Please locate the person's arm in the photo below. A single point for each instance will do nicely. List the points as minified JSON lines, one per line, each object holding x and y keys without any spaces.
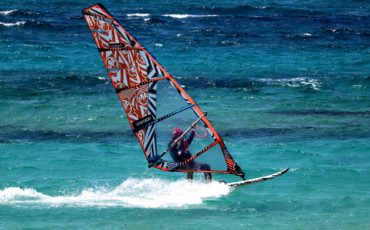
{"x":191,"y":137}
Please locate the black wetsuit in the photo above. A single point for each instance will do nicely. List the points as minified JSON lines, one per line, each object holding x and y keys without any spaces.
{"x":180,"y":153}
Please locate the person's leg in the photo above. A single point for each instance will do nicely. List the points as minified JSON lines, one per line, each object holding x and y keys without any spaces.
{"x":190,"y":176}
{"x":199,"y":166}
{"x":208,"y":177}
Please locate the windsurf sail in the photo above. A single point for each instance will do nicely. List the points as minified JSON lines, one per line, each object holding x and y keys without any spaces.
{"x":153,"y":100}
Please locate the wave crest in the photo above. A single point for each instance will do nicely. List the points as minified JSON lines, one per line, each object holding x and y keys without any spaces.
{"x":182,"y":16}
{"x":7,"y":12}
{"x":298,"y":82}
{"x":12,"y":24}
{"x":138,"y":15}
{"x":15,"y":12}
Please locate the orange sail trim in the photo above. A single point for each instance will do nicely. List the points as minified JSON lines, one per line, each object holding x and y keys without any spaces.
{"x":135,"y":75}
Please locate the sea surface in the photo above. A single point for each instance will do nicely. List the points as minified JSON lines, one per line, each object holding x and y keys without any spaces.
{"x":285,"y":83}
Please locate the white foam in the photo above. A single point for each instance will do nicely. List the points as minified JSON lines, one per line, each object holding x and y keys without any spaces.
{"x":298,"y":82}
{"x":7,"y":12}
{"x":142,"y":193}
{"x":19,"y":194}
{"x":181,"y":16}
{"x":11,"y":24}
{"x":138,"y":15}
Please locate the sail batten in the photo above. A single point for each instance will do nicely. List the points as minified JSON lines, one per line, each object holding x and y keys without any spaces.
{"x":138,"y":80}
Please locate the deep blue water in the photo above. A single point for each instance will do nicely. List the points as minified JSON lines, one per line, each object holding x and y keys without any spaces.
{"x":286,"y":83}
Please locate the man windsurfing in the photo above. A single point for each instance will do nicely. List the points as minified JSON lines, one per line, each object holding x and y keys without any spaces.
{"x":180,"y":152}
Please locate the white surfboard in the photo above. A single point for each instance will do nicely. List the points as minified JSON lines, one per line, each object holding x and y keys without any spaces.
{"x":257,"y":179}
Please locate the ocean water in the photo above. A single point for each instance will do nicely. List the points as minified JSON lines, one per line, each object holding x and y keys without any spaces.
{"x":286,"y":83}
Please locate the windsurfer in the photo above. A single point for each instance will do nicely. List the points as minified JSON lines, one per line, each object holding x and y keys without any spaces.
{"x":180,"y":152}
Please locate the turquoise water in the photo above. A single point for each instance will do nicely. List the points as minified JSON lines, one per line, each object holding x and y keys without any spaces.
{"x":285,"y":83}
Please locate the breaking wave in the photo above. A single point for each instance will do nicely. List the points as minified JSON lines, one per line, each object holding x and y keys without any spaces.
{"x":138,"y":15}
{"x":140,"y":193}
{"x":181,"y":16}
{"x":7,"y":12}
{"x":298,"y":82}
{"x":255,"y":83}
{"x":15,"y":12}
{"x":12,"y":24}
{"x":177,"y":16}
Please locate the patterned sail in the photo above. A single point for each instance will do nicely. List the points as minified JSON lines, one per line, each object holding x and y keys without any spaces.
{"x":153,"y":101}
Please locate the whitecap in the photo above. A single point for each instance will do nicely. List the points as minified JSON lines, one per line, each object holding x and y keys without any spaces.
{"x":7,"y":12}
{"x":18,"y":194}
{"x":298,"y":82}
{"x":182,"y":16}
{"x":138,"y":15}
{"x":12,"y":24}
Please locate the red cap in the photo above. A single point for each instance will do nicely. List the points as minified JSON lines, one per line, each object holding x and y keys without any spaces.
{"x":177,"y":132}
